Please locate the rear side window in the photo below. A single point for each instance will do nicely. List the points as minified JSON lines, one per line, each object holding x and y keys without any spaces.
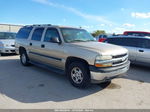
{"x":37,"y":34}
{"x":24,"y":32}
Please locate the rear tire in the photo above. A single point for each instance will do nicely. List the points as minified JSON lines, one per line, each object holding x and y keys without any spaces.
{"x":24,"y":58}
{"x":79,"y":75}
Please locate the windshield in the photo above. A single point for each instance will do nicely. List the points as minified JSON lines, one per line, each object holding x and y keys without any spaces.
{"x":5,"y":35}
{"x":76,"y":35}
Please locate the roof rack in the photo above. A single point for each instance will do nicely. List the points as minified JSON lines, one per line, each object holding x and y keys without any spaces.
{"x":42,"y":25}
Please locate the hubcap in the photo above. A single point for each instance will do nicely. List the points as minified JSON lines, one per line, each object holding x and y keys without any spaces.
{"x":77,"y":75}
{"x":23,"y":58}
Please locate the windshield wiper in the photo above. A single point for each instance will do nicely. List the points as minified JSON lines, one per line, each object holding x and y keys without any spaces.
{"x":89,"y":40}
{"x":77,"y":41}
{"x":81,"y":40}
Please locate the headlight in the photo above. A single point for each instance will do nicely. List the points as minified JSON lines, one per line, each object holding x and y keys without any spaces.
{"x":103,"y":61}
{"x":102,"y":58}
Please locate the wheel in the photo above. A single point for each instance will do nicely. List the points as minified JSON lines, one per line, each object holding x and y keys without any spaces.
{"x":79,"y":75}
{"x":24,"y":58}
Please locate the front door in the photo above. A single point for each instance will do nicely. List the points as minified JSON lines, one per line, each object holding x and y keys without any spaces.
{"x":53,"y":53}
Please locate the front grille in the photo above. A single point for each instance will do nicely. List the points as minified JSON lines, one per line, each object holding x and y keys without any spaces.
{"x":120,"y":56}
{"x":120,"y":59}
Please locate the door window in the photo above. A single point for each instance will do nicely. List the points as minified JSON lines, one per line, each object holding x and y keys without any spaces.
{"x":37,"y":35}
{"x":50,"y":33}
{"x":144,"y":43}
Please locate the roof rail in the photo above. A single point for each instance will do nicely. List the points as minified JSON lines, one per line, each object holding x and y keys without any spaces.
{"x":42,"y":25}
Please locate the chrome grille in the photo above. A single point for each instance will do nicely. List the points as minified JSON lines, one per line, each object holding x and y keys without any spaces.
{"x":120,"y":56}
{"x":120,"y":59}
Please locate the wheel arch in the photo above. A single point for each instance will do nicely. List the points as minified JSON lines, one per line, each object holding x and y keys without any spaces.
{"x":21,"y":49}
{"x":71,"y":59}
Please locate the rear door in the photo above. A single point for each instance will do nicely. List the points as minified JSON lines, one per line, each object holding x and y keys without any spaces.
{"x":35,"y":44}
{"x":143,"y":49}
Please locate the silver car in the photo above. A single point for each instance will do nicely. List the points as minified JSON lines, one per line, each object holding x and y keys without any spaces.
{"x":7,"y":42}
{"x":138,"y":47}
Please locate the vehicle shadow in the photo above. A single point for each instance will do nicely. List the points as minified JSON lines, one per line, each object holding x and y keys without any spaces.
{"x":139,"y":73}
{"x":6,"y":55}
{"x":33,"y":84}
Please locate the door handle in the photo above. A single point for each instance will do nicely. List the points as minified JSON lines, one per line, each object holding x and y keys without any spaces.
{"x":30,"y":44}
{"x":141,"y":50}
{"x":42,"y":46}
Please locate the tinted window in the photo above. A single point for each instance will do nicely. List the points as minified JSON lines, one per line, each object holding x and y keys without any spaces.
{"x":51,"y":32}
{"x":116,"y":41}
{"x":144,"y":43}
{"x":123,"y":41}
{"x":24,"y":32}
{"x":37,"y":34}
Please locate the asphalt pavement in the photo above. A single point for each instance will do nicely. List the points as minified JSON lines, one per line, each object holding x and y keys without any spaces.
{"x":37,"y":88}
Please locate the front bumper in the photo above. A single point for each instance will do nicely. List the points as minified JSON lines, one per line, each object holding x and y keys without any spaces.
{"x":99,"y":75}
{"x":7,"y":50}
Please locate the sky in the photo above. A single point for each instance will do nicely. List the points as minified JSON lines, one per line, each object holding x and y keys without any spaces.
{"x":113,"y":16}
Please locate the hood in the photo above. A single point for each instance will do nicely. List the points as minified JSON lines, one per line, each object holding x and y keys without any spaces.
{"x":7,"y":41}
{"x":101,"y":48}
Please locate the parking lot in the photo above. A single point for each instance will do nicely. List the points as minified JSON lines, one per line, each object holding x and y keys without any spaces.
{"x":34,"y":87}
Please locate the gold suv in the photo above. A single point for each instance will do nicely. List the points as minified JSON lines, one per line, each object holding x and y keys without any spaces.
{"x":71,"y":51}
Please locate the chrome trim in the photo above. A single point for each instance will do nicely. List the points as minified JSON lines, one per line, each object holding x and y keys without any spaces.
{"x":113,"y":60}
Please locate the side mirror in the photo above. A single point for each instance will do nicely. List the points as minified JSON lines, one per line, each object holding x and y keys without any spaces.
{"x":55,"y":40}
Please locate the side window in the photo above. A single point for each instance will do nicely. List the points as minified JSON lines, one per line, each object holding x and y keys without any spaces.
{"x":24,"y":32}
{"x":147,"y":44}
{"x":131,"y":42}
{"x":116,"y":41}
{"x":37,"y":34}
{"x":51,"y":32}
{"x":144,"y":43}
{"x":123,"y":41}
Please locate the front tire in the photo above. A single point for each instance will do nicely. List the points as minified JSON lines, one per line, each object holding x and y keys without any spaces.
{"x":24,"y":58}
{"x":79,"y":75}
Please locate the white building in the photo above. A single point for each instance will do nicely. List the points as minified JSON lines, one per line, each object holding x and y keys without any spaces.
{"x":9,"y":28}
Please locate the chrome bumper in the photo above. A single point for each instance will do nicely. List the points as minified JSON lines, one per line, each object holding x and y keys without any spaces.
{"x":102,"y":75}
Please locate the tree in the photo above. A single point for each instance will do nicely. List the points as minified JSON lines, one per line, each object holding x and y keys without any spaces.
{"x":98,"y":32}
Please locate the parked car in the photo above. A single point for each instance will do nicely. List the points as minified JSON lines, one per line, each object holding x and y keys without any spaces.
{"x":138,"y":47}
{"x":101,"y":38}
{"x":7,"y":42}
{"x":73,"y":52}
